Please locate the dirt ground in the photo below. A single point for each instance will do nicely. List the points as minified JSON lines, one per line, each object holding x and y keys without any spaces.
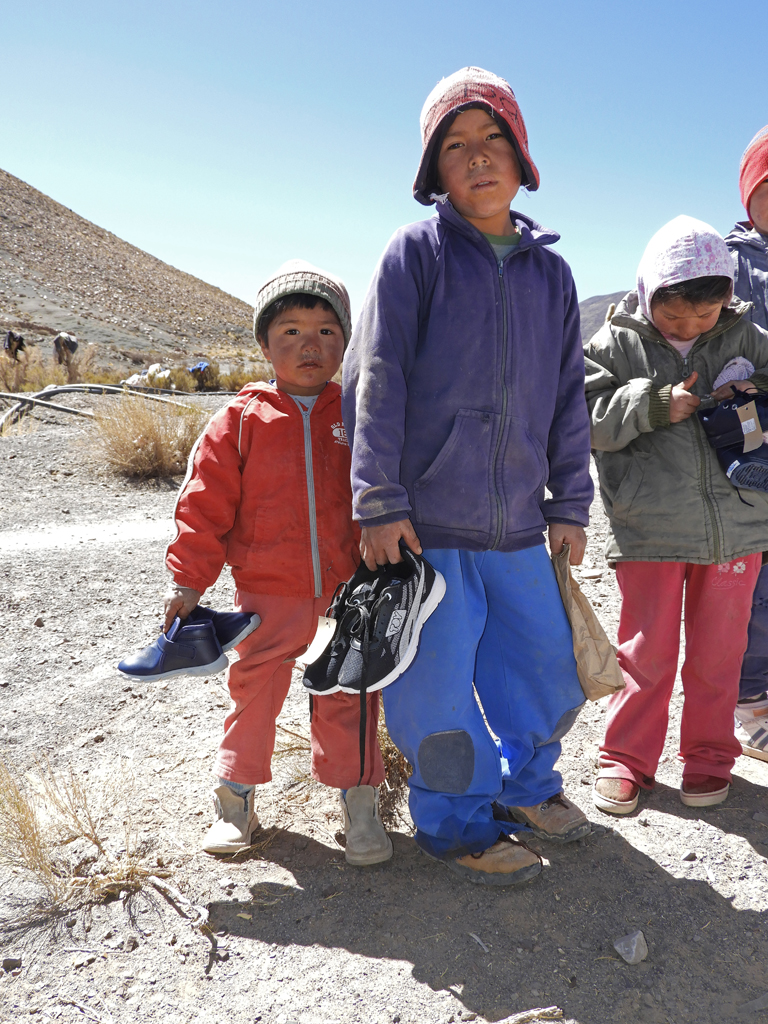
{"x":299,"y":936}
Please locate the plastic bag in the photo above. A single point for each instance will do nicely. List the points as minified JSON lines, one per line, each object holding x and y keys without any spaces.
{"x":596,"y":664}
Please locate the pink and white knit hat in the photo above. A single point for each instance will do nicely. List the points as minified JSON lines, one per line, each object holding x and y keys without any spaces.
{"x":753,"y":169}
{"x":682,"y":250}
{"x":300,"y":277}
{"x":468,"y":88}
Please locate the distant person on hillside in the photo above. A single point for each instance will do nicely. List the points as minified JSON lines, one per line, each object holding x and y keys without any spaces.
{"x":748,"y":242}
{"x":683,"y":540}
{"x":267,"y":491}
{"x":463,"y":394}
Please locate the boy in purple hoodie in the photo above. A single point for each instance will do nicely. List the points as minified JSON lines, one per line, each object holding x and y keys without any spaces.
{"x":463,"y":398}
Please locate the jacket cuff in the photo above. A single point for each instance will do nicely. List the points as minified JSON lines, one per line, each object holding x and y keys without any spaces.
{"x":658,"y":408}
{"x":565,"y":522}
{"x":181,"y":580}
{"x":385,"y":520}
{"x":760,"y":380}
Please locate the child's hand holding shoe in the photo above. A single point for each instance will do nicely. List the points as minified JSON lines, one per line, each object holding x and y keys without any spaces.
{"x":179,"y":601}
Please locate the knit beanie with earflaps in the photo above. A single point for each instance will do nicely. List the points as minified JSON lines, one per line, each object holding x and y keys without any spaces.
{"x":470,"y":87}
{"x":753,"y":169}
{"x":297,"y":277}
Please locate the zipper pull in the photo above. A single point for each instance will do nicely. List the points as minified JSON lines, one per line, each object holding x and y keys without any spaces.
{"x":686,"y":367}
{"x":501,"y":268}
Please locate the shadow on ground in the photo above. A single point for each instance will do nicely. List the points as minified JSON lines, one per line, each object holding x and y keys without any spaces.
{"x":548,"y":941}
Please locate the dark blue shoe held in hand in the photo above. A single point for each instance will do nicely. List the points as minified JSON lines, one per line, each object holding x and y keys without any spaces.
{"x":188,"y":648}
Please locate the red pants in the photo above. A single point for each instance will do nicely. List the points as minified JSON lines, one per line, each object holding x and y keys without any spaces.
{"x":718,"y":600}
{"x":258,"y":684}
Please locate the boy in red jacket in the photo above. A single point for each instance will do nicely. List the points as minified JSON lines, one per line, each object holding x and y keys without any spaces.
{"x":268,"y":492}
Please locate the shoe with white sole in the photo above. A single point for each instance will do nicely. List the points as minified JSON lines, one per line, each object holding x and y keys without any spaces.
{"x":700,"y":790}
{"x":236,"y":821}
{"x":752,"y":726}
{"x":367,"y":840}
{"x":615,"y":796}
{"x":187,"y":649}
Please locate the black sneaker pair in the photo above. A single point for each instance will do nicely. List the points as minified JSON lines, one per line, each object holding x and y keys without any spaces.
{"x":379,"y":616}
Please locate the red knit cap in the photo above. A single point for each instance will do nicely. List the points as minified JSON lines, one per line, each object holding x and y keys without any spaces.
{"x":753,"y":169}
{"x":467,"y":88}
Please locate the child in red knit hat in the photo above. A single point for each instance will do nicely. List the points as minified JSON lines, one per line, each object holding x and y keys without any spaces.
{"x":748,"y":242}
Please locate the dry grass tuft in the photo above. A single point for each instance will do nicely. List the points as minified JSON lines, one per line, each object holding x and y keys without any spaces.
{"x":35,"y":371}
{"x":144,"y":439}
{"x":239,"y":377}
{"x":53,"y":830}
{"x":393,"y":793}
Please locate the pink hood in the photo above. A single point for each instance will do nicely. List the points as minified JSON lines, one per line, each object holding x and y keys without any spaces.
{"x":683,"y":249}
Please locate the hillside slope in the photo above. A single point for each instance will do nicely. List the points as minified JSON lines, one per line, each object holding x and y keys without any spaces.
{"x":59,"y":271}
{"x":593,"y":312}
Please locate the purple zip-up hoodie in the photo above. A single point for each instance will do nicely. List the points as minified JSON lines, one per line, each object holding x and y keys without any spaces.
{"x":464,"y":389}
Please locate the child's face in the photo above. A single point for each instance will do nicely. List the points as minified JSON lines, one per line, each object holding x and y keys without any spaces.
{"x":305,"y":347}
{"x":758,"y":208}
{"x":480,"y":171}
{"x":684,"y":321}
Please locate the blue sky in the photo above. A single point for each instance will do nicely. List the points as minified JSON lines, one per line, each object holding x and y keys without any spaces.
{"x":227,"y":137}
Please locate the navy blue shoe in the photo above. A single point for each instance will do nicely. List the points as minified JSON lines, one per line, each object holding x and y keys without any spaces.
{"x":185,"y":650}
{"x":231,"y":627}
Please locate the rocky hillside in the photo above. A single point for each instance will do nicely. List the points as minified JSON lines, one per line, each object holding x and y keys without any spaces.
{"x":59,"y":271}
{"x":593,"y":312}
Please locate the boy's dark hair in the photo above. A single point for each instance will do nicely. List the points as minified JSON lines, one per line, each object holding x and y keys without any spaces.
{"x":698,"y":289}
{"x":297,"y":300}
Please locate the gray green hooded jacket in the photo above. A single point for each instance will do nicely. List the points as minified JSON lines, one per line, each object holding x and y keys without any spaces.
{"x":664,"y":492}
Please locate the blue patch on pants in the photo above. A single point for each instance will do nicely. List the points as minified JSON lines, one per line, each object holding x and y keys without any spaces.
{"x":447,"y":761}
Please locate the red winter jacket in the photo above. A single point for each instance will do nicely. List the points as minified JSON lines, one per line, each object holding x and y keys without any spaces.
{"x":267,"y":491}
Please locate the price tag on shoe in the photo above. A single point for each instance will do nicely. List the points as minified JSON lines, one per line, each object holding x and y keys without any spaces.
{"x":750,"y":425}
{"x":325,"y":630}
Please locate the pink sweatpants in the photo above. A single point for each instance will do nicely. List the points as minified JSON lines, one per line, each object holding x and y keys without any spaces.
{"x":258,"y":684}
{"x":718,"y":600}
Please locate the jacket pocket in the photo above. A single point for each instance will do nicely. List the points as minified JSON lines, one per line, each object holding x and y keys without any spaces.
{"x":455,"y":492}
{"x":525,"y":473}
{"x":629,"y":488}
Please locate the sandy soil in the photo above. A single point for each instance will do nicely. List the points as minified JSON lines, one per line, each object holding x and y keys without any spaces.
{"x":301,"y":937}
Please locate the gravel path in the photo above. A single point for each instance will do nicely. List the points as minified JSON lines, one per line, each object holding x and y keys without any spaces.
{"x":299,"y":936}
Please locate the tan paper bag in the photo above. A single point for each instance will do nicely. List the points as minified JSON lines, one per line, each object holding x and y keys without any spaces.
{"x":596,"y":664}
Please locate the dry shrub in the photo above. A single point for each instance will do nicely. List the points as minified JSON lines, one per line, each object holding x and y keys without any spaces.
{"x":53,"y":829}
{"x":394,"y":791}
{"x":144,"y":439}
{"x":181,"y":379}
{"x":35,"y":371}
{"x":237,"y":379}
{"x":209,"y":379}
{"x":32,"y":372}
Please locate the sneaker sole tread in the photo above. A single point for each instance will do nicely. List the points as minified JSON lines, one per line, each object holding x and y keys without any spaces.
{"x":197,"y":670}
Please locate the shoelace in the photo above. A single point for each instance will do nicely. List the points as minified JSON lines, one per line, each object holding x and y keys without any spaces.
{"x":504,"y":838}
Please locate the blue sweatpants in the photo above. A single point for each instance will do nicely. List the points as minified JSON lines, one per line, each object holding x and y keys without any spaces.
{"x":754,"y":668}
{"x":502,"y":626}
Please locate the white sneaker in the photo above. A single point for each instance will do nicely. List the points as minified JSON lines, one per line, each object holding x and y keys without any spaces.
{"x":236,"y":821}
{"x":367,"y":840}
{"x":752,"y":728}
